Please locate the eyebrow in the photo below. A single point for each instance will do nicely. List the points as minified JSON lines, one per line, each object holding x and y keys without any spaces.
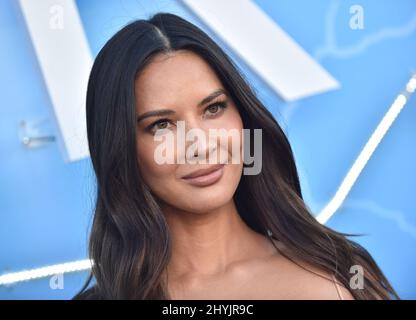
{"x":165,"y":112}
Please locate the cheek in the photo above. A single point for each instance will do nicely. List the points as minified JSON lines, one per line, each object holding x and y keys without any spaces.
{"x":236,"y":120}
{"x":160,"y":178}
{"x":153,"y":173}
{"x":232,"y":122}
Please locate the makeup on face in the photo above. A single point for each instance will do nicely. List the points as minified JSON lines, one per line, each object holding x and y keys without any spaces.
{"x":205,"y":177}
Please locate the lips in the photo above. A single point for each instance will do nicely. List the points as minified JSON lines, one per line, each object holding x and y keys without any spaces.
{"x":203,"y":172}
{"x":205,"y":177}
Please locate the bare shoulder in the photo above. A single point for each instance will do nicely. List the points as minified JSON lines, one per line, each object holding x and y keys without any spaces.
{"x":298,"y":280}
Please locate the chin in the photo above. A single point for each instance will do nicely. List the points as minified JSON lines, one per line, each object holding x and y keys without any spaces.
{"x":207,"y":199}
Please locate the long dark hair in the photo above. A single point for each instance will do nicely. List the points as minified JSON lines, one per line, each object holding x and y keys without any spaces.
{"x":130,"y":245}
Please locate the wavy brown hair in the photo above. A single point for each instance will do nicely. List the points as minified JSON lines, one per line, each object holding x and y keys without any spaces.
{"x":129,"y":242}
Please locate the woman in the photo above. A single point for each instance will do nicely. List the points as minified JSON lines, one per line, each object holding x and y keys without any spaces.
{"x":159,"y":232}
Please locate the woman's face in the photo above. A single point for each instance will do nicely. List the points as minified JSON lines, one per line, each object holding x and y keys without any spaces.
{"x":177,"y":83}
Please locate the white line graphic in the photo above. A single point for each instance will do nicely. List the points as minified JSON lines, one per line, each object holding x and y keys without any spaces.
{"x":281,"y":62}
{"x":44,"y":272}
{"x":367,"y":152}
{"x":65,"y":60}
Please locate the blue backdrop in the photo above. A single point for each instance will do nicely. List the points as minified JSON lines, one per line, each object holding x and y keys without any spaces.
{"x":46,"y":204}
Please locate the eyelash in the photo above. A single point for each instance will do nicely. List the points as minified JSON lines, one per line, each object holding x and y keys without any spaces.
{"x":221,"y":104}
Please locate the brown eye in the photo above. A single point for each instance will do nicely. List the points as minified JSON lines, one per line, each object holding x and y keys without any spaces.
{"x":161,"y":125}
{"x":214,"y":109}
{"x":158,"y":125}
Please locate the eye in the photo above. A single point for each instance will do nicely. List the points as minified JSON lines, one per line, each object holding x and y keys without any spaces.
{"x":215,"y":108}
{"x":160,"y":124}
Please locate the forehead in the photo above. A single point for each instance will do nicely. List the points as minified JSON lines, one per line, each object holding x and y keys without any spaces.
{"x":171,"y":80}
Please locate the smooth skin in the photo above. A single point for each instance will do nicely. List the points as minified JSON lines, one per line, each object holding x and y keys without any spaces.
{"x":215,"y":254}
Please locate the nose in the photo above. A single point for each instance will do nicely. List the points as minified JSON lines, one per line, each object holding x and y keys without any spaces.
{"x":199,"y":147}
{"x":203,"y":151}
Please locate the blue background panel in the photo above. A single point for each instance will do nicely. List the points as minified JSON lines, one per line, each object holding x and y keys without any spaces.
{"x":46,"y":204}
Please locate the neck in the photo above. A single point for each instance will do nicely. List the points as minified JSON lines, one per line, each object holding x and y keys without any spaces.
{"x":208,"y":243}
